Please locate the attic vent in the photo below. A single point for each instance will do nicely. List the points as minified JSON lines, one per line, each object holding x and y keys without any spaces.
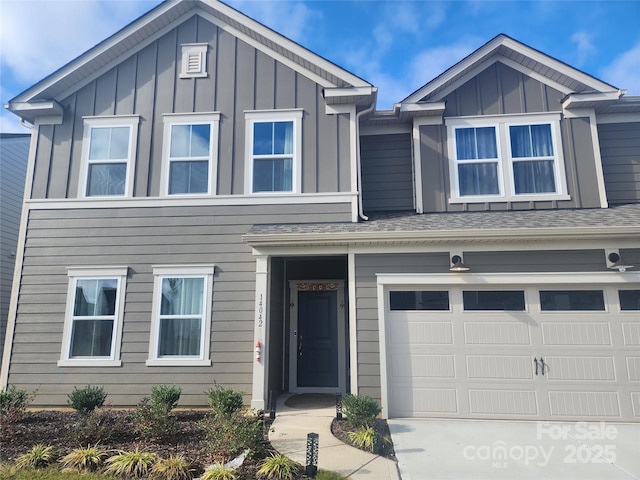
{"x":194,"y":60}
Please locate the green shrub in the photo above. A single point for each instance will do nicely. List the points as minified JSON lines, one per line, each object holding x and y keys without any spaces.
{"x":360,"y":410}
{"x":175,"y":467}
{"x":87,"y":459}
{"x":49,"y":473}
{"x":131,"y":464}
{"x":224,"y":401}
{"x":98,"y":426}
{"x":154,"y":420}
{"x":279,"y":467}
{"x":363,"y":438}
{"x":231,"y":435}
{"x":166,"y":395}
{"x":87,"y":399}
{"x":219,"y":472}
{"x":40,"y":456}
{"x":13,"y":405}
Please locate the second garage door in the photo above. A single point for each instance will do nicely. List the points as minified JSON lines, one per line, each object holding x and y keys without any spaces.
{"x":523,"y":352}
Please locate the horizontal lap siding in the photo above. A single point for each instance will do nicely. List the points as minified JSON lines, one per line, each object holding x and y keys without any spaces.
{"x":387,"y":173}
{"x":140,"y":238}
{"x":367,"y":266}
{"x":620,"y":151}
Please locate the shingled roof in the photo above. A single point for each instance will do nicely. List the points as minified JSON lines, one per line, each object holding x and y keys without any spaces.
{"x":616,"y":222}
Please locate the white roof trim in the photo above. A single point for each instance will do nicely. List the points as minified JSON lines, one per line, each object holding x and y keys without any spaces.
{"x":489,"y":49}
{"x":574,"y":100}
{"x":198,"y":6}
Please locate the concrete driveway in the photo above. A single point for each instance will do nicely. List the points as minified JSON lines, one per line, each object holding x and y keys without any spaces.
{"x":501,"y":450}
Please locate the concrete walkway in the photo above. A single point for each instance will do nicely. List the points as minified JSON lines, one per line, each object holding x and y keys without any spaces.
{"x":289,"y":432}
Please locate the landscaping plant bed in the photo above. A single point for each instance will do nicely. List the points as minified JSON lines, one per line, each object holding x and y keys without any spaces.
{"x":341,"y":430}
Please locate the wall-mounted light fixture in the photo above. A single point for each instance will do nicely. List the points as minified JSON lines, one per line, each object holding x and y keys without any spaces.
{"x":614,"y":260}
{"x":457,"y":263}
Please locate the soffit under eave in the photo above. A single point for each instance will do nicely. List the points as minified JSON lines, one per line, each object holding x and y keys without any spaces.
{"x":146,"y":29}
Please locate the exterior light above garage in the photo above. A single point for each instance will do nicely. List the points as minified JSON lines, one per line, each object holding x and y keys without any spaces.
{"x":457,"y":264}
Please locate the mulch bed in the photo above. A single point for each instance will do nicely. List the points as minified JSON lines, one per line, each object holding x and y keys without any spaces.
{"x":60,"y":429}
{"x":341,"y":430}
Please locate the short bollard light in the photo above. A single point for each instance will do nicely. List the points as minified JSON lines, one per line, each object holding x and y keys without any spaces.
{"x":312,"y":455}
{"x":272,"y":404}
{"x":339,"y":406}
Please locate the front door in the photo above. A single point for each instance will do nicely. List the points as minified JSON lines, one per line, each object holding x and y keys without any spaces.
{"x":317,"y":341}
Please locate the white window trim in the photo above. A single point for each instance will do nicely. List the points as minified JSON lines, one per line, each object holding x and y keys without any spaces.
{"x":292,"y":115}
{"x":183,"y":271}
{"x":505,"y":161}
{"x":188,"y":50}
{"x":74,"y":274}
{"x":210,"y":118}
{"x":131,"y":121}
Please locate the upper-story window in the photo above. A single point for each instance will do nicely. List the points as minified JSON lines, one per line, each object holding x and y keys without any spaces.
{"x":506,"y":158}
{"x":274,"y":151}
{"x":190,"y":153}
{"x":108,"y":151}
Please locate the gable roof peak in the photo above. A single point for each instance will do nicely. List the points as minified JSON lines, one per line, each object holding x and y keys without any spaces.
{"x":508,"y":50}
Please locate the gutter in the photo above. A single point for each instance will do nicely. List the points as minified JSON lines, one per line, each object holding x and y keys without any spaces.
{"x":607,"y":233}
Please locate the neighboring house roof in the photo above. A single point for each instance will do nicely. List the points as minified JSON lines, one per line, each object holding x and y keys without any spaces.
{"x":513,"y":225}
{"x":41,"y":98}
{"x":518,"y":55}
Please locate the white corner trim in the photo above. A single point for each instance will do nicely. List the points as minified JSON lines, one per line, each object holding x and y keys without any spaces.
{"x":17,"y":269}
{"x":595,"y":139}
{"x":382,"y":332}
{"x":353,"y":323}
{"x":260,"y":327}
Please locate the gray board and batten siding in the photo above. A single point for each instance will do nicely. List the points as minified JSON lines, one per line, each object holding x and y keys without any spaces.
{"x":387,"y":172}
{"x":148,"y":84}
{"x":14,"y":152}
{"x":501,"y":90}
{"x":140,"y":238}
{"x":368,"y":266}
{"x":620,"y":151}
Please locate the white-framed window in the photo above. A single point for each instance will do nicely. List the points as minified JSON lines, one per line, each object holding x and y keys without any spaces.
{"x":108,"y":152}
{"x":190,"y":153}
{"x":194,"y":60}
{"x":506,"y":158}
{"x":181,"y":315}
{"x":94,"y":315}
{"x":273,"y":151}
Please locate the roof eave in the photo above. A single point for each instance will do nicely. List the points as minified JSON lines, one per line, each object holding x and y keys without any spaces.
{"x":31,"y":111}
{"x":440,"y":236}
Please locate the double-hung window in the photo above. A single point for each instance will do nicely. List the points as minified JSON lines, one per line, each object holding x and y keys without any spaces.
{"x":181,"y":315}
{"x":93,"y":321}
{"x":190,"y":153}
{"x":108,"y":152}
{"x":274,"y":151}
{"x":506,"y":158}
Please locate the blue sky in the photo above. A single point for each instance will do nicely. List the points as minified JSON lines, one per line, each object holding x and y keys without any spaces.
{"x":396,"y":45}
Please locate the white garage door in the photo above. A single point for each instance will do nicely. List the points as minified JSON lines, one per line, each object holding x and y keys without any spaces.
{"x":513,"y":352}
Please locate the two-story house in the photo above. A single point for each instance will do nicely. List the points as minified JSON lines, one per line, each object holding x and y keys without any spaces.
{"x":210,"y":201}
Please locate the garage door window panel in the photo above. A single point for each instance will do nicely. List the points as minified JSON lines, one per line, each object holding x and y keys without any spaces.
{"x":419,"y":300}
{"x":496,"y":300}
{"x":629,"y":300}
{"x":572,"y":300}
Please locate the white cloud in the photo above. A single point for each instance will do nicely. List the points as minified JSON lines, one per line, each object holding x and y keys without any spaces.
{"x":9,"y":123}
{"x":291,"y":19}
{"x":37,"y":37}
{"x":584,"y":46}
{"x":624,"y":71}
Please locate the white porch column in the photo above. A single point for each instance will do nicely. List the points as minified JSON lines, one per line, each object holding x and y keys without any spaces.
{"x":260,"y":328}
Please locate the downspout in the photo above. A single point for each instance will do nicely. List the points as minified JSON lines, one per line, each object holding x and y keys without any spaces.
{"x":358,"y":162}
